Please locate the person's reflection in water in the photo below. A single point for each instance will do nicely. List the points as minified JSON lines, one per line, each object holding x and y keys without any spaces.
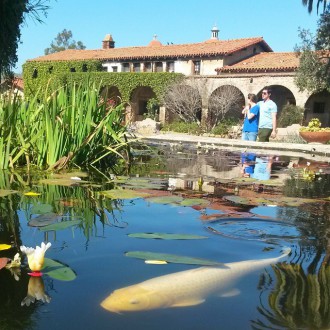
{"x":248,"y":164}
{"x":262,"y":168}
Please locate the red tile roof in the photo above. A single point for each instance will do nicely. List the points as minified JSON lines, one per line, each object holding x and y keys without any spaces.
{"x":207,"y":48}
{"x":18,"y":83}
{"x":264,"y":62}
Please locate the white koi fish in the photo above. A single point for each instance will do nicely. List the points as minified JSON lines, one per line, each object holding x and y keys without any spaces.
{"x":186,"y":288}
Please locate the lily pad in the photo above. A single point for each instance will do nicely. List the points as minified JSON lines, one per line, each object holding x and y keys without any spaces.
{"x":61,"y":225}
{"x":166,"y":236}
{"x":145,"y":183}
{"x":194,"y":202}
{"x":173,"y":199}
{"x":4,"y":247}
{"x":41,"y":209}
{"x":44,"y":220}
{"x":276,"y":201}
{"x":173,"y":258}
{"x":61,"y":182}
{"x":58,"y":271}
{"x":69,"y":175}
{"x":124,"y":194}
{"x":3,"y":262}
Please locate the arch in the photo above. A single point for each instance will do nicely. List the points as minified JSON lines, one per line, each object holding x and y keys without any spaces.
{"x":318,"y":106}
{"x":112,"y":94}
{"x":183,"y":101}
{"x":225,"y":102}
{"x":139,"y":100}
{"x":281,"y":95}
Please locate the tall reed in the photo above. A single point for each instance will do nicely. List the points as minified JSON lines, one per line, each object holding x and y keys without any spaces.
{"x":54,"y":127}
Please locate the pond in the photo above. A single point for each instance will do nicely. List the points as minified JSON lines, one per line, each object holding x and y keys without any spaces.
{"x":190,"y":239}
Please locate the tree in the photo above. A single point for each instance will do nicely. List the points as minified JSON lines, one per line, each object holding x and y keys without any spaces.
{"x":185,"y":101}
{"x":12,"y":14}
{"x":313,"y":73}
{"x":309,"y":4}
{"x":64,"y":41}
{"x":225,"y":102}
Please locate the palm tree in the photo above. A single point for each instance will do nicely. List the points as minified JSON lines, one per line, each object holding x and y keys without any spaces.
{"x":309,"y":4}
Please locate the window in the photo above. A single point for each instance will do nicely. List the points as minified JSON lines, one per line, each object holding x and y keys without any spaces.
{"x":114,"y":68}
{"x":319,"y":107}
{"x":159,"y":67}
{"x":197,"y":67}
{"x":72,"y":70}
{"x":136,"y":67}
{"x":147,"y":67}
{"x":35,"y":73}
{"x":125,"y":67}
{"x":170,"y":66}
{"x":50,"y":69}
{"x":84,"y":67}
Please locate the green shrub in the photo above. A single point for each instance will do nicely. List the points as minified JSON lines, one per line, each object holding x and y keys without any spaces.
{"x":182,"y":127}
{"x":224,"y":127}
{"x":290,"y":114}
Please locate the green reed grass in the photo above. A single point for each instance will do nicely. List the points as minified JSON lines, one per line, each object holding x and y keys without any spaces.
{"x":54,"y":124}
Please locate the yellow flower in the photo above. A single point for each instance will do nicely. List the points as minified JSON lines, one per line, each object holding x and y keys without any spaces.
{"x":36,"y":257}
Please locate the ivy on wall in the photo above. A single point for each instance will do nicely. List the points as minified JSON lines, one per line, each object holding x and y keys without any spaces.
{"x":38,"y":75}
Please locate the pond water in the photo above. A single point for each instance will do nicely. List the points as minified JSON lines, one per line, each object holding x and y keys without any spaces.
{"x":225,"y":208}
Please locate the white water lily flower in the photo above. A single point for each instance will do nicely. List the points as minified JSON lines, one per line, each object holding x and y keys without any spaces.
{"x":36,"y":257}
{"x":36,"y":291}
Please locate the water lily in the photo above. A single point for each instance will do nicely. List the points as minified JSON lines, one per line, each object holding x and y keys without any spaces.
{"x":36,"y":256}
{"x":36,"y":291}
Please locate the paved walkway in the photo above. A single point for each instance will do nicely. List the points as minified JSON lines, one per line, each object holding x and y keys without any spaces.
{"x":315,"y":150}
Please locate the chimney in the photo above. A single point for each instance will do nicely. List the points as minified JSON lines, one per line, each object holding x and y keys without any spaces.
{"x":108,"y":42}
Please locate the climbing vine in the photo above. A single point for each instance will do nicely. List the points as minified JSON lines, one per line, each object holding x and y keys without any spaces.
{"x":58,"y":73}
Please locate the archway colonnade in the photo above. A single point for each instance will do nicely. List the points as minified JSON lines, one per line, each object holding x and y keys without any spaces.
{"x":210,"y":87}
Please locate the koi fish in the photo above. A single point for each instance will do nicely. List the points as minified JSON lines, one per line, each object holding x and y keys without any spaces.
{"x":186,"y":288}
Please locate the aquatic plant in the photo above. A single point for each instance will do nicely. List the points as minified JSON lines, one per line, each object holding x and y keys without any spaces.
{"x":36,"y":257}
{"x":55,"y":129}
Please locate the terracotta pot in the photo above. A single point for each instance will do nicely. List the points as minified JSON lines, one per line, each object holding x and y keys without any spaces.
{"x":319,"y":137}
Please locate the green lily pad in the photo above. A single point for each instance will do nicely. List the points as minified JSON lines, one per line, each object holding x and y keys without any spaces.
{"x":145,"y":183}
{"x":279,"y":201}
{"x":5,"y":192}
{"x":173,"y":199}
{"x":173,"y":258}
{"x":61,"y":225}
{"x":123,"y":194}
{"x":41,"y":209}
{"x":194,"y":202}
{"x":58,"y":271}
{"x":165,"y":236}
{"x":61,"y":182}
{"x":44,"y":220}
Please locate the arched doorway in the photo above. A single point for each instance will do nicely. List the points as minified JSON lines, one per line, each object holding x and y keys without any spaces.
{"x":281,"y":96}
{"x":139,"y":101}
{"x":184,"y":102}
{"x":318,"y":106}
{"x":111,"y":95}
{"x":225,"y":102}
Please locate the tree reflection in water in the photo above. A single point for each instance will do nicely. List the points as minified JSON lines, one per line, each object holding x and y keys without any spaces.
{"x":301,"y":296}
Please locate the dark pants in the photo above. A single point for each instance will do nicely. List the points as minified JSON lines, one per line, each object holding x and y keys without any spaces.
{"x":264,"y":134}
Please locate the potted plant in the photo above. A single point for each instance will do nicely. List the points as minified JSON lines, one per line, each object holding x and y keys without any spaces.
{"x":314,"y":132}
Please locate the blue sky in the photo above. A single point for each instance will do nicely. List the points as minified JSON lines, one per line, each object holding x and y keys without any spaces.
{"x":134,"y":22}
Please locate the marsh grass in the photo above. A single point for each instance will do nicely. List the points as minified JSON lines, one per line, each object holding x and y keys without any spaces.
{"x":69,"y":124}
